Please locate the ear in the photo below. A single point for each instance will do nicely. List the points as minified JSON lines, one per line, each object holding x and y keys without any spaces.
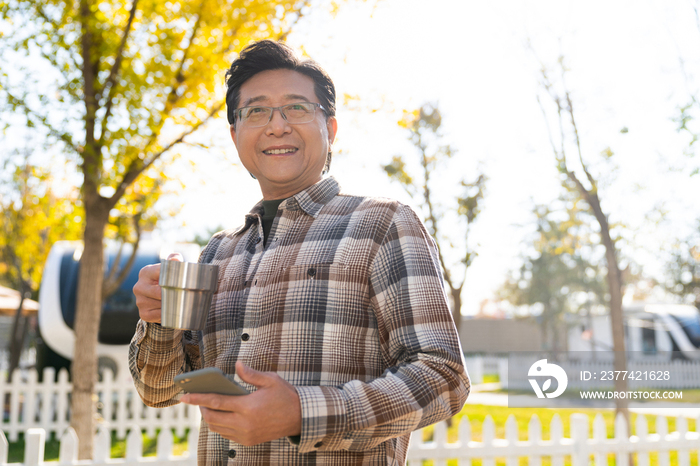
{"x":232,"y":128}
{"x":332,"y":125}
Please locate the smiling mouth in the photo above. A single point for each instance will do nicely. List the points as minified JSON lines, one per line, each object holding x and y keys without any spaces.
{"x":279,"y":151}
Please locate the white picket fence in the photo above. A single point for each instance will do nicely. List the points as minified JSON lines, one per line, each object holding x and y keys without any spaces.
{"x":580,"y":447}
{"x":27,"y":358}
{"x":46,"y":405}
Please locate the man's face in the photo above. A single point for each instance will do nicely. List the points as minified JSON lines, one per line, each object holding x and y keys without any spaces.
{"x":285,"y":158}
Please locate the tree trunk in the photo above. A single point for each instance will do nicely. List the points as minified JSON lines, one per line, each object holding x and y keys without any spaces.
{"x":19,"y":331}
{"x":456,"y":294}
{"x":616,"y":318}
{"x":617,"y":321}
{"x":87,"y":322}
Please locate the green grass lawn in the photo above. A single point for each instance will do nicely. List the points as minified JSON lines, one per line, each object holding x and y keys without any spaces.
{"x":16,"y":453}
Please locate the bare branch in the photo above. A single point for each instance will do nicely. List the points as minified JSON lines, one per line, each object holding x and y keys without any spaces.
{"x":106,"y":283}
{"x":178,"y":79}
{"x":549,"y":129}
{"x":466,"y":259}
{"x":112,"y":284}
{"x":562,"y":136}
{"x":64,"y":137}
{"x":578,"y":142}
{"x":283,"y":35}
{"x":40,"y":11}
{"x":51,"y":59}
{"x":431,"y":214}
{"x":114,"y":72}
{"x":138,"y":166}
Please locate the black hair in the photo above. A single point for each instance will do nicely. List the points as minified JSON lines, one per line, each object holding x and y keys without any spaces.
{"x":270,"y":55}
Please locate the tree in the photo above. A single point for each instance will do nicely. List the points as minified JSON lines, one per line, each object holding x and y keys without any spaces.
{"x":203,"y":240}
{"x":118,"y":86}
{"x":33,"y":219}
{"x":423,"y":126}
{"x":569,"y":140}
{"x":683,"y":269}
{"x":558,"y":272}
{"x":687,"y":117}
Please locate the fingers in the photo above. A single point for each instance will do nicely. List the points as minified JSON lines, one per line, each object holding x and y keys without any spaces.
{"x":147,"y":293}
{"x":232,"y":426}
{"x":251,"y":376}
{"x":211,"y":401}
{"x":271,"y":412}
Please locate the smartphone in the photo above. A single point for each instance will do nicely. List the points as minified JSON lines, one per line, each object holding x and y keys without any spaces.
{"x":209,"y":380}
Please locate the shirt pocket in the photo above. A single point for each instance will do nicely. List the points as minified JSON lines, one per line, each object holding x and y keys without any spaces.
{"x":321,"y":329}
{"x":321,"y":293}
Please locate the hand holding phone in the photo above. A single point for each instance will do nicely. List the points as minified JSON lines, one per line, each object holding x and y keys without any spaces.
{"x":209,"y":380}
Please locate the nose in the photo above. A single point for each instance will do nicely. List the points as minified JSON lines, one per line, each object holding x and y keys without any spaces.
{"x":278,"y":125}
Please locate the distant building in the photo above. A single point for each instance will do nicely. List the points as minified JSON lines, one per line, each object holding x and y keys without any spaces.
{"x":488,"y":335}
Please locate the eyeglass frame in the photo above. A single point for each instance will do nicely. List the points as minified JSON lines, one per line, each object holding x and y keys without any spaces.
{"x":237,"y":113}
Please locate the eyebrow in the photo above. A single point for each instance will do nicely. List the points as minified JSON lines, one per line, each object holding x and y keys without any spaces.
{"x":261,"y":98}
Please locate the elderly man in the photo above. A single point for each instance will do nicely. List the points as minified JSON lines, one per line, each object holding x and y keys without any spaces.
{"x":330,"y":308}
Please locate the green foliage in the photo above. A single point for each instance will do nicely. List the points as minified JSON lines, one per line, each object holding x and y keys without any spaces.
{"x":559,"y":273}
{"x":203,"y":240}
{"x":423,"y":126}
{"x":683,"y":270}
{"x":33,"y":219}
{"x":396,"y":170}
{"x":137,"y":74}
{"x":688,"y":124}
{"x":118,"y":447}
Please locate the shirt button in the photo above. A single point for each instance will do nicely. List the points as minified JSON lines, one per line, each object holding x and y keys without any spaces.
{"x":232,"y":453}
{"x":258,"y":240}
{"x":245,"y":337}
{"x":318,"y":445}
{"x":311,"y":272}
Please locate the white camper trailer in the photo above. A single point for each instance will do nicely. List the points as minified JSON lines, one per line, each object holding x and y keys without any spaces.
{"x":651,"y":330}
{"x":57,"y":300}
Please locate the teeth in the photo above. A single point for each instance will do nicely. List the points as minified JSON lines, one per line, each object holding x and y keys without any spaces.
{"x":279,"y":151}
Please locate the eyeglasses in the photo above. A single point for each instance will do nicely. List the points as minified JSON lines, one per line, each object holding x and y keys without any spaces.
{"x":298,"y":113}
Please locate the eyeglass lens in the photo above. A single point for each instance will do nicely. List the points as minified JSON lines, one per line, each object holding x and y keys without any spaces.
{"x":294,"y":113}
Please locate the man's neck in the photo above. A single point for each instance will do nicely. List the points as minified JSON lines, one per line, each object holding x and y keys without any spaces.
{"x":271,"y":193}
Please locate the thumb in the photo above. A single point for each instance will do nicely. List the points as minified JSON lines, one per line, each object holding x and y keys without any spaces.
{"x":251,"y":376}
{"x":175,"y":256}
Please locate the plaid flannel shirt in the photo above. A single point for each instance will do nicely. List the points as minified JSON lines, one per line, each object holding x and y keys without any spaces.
{"x":346,"y":302}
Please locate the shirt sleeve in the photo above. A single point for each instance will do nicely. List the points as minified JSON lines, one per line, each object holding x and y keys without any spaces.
{"x":156,"y":355}
{"x":427,"y":382}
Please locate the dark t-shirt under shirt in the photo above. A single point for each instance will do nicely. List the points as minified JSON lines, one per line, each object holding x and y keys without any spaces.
{"x":270,"y":209}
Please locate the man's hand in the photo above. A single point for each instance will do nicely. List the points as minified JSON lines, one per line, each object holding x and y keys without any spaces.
{"x":147,"y":291}
{"x":271,"y":412}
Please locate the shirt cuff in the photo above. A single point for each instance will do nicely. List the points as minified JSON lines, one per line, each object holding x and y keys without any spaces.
{"x":323,"y":419}
{"x":159,"y":339}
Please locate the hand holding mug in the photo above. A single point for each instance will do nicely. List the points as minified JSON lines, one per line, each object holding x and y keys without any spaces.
{"x":147,"y":291}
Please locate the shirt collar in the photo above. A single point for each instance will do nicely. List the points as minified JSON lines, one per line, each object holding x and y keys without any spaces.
{"x":310,"y":201}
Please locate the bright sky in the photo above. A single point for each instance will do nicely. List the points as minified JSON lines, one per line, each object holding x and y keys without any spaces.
{"x":471,"y":57}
